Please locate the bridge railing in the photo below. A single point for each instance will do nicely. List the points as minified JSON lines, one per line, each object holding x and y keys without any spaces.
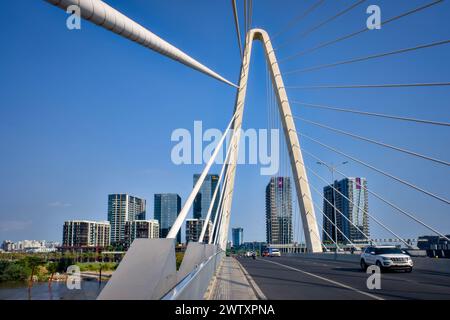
{"x":195,"y":284}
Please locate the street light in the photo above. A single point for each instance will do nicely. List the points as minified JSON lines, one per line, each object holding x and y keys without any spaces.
{"x":332,"y":167}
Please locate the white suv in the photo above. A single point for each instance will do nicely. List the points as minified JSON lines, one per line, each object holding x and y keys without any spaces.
{"x":386,"y":257}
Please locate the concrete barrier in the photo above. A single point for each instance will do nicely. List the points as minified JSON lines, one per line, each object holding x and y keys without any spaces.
{"x":432,"y":265}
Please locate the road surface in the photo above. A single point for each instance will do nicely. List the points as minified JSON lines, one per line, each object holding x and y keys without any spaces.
{"x":305,"y":278}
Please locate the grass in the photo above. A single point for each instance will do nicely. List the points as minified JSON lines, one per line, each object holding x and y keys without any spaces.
{"x":179,"y":258}
{"x":95,"y":266}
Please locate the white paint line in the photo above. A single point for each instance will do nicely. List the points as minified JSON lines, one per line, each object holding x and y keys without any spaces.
{"x":328,"y":280}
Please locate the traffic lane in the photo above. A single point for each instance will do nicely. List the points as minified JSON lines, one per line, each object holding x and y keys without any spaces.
{"x":420,"y":284}
{"x":278,"y":282}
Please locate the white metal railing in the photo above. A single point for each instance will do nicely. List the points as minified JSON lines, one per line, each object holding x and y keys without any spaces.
{"x":195,"y":284}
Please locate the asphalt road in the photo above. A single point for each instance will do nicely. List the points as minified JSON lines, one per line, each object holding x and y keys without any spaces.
{"x":292,"y":278}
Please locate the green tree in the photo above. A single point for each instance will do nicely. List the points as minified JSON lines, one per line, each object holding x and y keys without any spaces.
{"x":33,"y":262}
{"x":52,"y":267}
{"x":13,"y":271}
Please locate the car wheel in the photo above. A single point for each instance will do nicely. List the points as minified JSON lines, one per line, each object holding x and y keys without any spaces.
{"x":409,"y":270}
{"x":379,"y":265}
{"x":363,"y":265}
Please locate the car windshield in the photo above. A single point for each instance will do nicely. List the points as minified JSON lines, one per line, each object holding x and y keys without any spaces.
{"x":388,"y":251}
{"x":275,"y":250}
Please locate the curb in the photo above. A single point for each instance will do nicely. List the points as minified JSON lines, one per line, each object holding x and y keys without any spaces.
{"x":259,"y":294}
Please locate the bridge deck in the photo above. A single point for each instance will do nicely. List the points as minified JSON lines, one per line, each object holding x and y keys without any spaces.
{"x":297,"y":277}
{"x":231,"y":283}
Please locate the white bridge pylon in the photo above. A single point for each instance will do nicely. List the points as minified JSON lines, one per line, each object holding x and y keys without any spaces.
{"x":311,"y":230}
{"x":107,"y":17}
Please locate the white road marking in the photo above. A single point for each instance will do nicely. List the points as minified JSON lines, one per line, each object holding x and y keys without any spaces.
{"x":328,"y":280}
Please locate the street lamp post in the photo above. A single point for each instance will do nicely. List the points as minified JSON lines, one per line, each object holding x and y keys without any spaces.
{"x":332,"y":167}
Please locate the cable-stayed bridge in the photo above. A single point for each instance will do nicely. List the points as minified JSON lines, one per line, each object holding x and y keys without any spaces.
{"x":141,"y":276}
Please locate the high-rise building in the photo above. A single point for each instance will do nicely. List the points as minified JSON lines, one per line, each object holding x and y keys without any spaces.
{"x":83,"y":233}
{"x":167,"y":206}
{"x":355,"y":189}
{"x":194,"y":229}
{"x":148,"y":229}
{"x":279,"y":229}
{"x":237,"y":235}
{"x":203,"y":198}
{"x":123,"y":208}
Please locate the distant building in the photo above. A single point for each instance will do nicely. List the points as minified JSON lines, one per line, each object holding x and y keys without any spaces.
{"x":237,"y":235}
{"x":123,"y":208}
{"x":167,"y":206}
{"x":194,"y":229}
{"x":279,"y":229}
{"x":355,"y":189}
{"x":433,"y":243}
{"x":83,"y":233}
{"x":148,"y":229}
{"x":8,"y":245}
{"x":203,"y":198}
{"x":34,"y":246}
{"x":254,"y":246}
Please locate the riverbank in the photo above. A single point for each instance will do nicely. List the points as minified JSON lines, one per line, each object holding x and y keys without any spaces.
{"x":42,"y":268}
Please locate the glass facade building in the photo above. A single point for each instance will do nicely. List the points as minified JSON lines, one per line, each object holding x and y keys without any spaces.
{"x":237,"y":236}
{"x":123,"y":208}
{"x":203,"y":199}
{"x":279,"y":229}
{"x":167,"y":206}
{"x":354,"y":209}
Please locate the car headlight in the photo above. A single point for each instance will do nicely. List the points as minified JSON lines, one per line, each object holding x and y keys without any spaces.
{"x":386,"y":259}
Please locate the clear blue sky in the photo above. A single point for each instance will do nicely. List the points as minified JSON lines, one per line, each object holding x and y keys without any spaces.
{"x":87,"y":113}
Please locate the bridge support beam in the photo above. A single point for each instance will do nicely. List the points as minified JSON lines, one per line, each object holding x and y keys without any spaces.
{"x":312,"y":238}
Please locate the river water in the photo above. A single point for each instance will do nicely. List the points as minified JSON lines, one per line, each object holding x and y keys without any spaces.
{"x":40,"y":291}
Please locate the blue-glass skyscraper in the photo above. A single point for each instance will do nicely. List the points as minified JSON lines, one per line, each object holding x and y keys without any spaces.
{"x":203,"y":199}
{"x":237,"y":235}
{"x":167,"y":206}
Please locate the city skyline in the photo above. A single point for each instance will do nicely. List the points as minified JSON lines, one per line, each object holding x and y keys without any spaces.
{"x":74,"y":143}
{"x":327,"y":120}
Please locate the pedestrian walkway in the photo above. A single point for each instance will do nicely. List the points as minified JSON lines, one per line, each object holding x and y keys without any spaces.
{"x":231,"y":283}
